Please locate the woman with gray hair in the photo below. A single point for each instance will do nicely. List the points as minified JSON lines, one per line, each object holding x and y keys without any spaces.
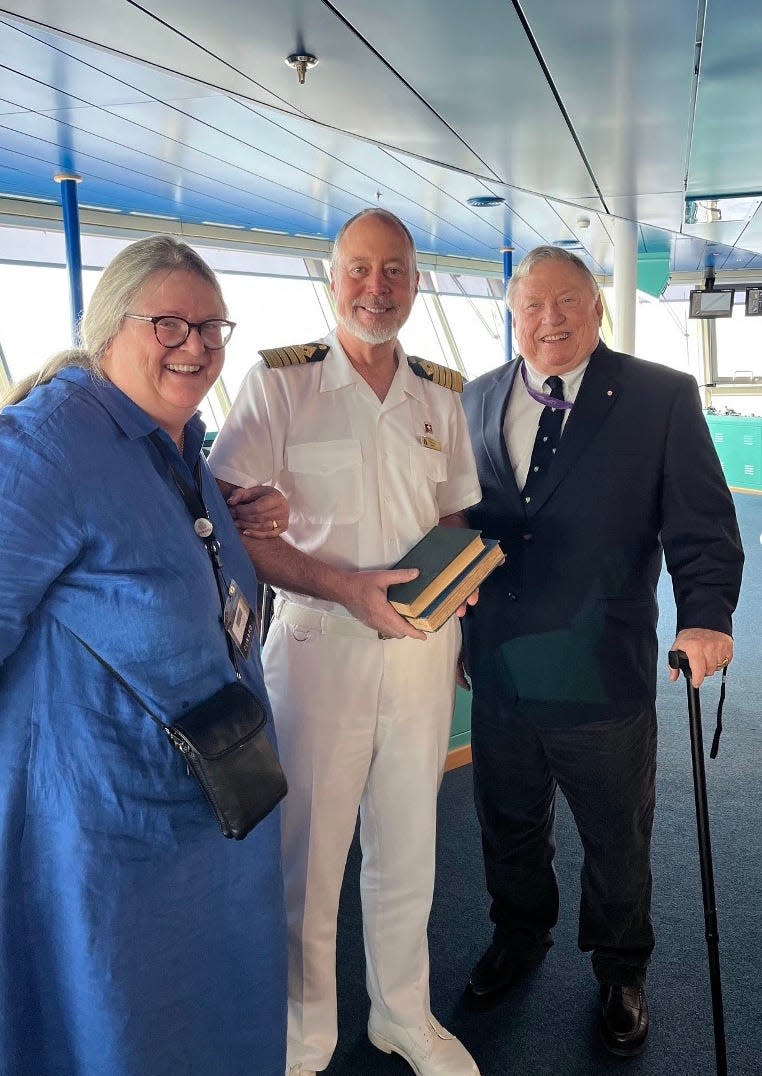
{"x":134,"y":941}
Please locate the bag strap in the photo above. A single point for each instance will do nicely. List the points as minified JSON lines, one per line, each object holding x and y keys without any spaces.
{"x":204,"y":528}
{"x":121,"y":680}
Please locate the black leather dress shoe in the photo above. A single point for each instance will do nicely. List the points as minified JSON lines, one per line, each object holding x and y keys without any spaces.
{"x":624,"y":1019}
{"x":498,"y":970}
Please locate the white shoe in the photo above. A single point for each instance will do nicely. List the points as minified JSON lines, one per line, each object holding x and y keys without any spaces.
{"x":297,"y":1070}
{"x":430,"y":1050}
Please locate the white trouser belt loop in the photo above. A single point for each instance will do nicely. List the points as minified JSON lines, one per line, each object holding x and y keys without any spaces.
{"x":309,"y":619}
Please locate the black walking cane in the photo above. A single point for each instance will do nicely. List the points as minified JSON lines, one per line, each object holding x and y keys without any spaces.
{"x":678,"y":660}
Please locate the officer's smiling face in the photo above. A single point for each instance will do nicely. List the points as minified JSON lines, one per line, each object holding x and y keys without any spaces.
{"x":374,"y":281}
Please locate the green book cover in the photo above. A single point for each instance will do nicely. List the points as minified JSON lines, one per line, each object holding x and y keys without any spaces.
{"x":440,"y":556}
{"x":455,"y":593}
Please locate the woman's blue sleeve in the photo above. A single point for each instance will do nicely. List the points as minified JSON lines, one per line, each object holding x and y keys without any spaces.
{"x":41,"y":534}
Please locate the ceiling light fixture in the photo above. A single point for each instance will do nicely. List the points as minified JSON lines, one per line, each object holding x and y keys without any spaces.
{"x":485,"y":201}
{"x":301,"y":62}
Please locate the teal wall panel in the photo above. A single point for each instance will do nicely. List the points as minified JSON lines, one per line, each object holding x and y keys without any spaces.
{"x":738,"y":441}
{"x":460,"y":735}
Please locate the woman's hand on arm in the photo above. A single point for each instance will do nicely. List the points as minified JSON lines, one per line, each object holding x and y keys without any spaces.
{"x":257,"y":511}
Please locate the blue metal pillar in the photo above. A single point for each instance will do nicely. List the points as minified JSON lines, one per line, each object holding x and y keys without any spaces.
{"x":507,"y":253}
{"x":70,"y":208}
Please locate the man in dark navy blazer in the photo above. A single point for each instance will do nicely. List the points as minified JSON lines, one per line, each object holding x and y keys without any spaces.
{"x":591,"y":464}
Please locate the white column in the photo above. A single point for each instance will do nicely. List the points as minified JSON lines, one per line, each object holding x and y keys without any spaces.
{"x":625,"y":283}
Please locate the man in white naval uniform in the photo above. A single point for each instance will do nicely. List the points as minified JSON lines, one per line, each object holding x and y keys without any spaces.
{"x":371,"y":453}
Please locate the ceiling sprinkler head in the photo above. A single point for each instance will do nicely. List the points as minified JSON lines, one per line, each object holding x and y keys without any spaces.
{"x":301,"y":62}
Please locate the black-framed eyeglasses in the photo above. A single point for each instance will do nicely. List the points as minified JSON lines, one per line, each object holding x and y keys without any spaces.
{"x":173,"y":332}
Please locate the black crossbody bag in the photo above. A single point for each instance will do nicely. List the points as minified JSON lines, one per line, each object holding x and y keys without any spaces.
{"x":223,"y":739}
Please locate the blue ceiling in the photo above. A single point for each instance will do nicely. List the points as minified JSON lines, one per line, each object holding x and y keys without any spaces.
{"x":573,"y":113}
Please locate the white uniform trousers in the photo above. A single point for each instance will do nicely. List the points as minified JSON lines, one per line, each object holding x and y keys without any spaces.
{"x":361,"y":722}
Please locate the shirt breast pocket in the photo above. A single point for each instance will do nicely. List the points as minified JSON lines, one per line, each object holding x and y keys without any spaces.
{"x":427,"y":468}
{"x":327,"y":480}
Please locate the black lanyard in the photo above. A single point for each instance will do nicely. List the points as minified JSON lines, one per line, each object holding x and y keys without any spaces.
{"x":718,"y":728}
{"x":202,"y":525}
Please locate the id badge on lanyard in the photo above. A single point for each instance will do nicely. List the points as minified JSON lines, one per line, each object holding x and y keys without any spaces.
{"x":238,"y":619}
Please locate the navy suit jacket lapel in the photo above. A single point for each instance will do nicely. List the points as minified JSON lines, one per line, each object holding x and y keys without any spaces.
{"x":597,"y":396}
{"x":494,"y":404}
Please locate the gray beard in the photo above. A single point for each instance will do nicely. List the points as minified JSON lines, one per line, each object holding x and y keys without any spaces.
{"x":381,"y":335}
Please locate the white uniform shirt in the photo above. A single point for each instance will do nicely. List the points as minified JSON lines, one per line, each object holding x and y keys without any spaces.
{"x":361,"y":486}
{"x":522,"y":415}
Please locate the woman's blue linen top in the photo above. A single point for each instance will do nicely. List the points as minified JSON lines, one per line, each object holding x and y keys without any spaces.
{"x":134,"y":939}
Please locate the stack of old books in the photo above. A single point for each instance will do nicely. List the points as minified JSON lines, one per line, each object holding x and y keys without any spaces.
{"x":452,"y":562}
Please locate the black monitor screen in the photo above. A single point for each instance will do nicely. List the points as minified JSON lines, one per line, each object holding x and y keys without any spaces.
{"x":713,"y":303}
{"x":753,"y":302}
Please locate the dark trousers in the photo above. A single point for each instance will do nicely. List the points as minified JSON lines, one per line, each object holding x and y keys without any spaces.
{"x":606,"y":771}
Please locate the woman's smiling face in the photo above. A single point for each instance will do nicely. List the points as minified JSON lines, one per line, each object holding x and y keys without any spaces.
{"x":167,"y":383}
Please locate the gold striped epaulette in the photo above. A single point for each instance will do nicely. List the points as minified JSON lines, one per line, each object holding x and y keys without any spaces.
{"x":440,"y":375}
{"x":297,"y":355}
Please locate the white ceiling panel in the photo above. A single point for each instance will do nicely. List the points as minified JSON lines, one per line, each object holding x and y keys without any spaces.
{"x":573,"y":114}
{"x":129,"y":30}
{"x":480,"y":76}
